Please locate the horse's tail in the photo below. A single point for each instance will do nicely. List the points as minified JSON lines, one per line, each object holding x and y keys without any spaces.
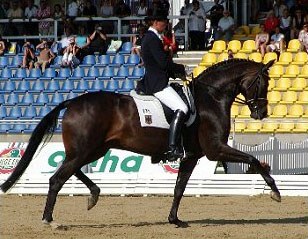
{"x":45,"y":127}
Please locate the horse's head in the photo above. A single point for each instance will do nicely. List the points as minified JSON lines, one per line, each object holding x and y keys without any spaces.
{"x":255,"y":91}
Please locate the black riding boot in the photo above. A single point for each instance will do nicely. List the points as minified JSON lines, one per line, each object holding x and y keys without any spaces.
{"x":175,"y":150}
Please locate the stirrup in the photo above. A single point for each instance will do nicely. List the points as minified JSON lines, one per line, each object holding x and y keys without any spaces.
{"x":174,"y":154}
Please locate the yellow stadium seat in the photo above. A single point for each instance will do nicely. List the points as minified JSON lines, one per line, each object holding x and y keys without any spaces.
{"x":198,"y":70}
{"x":208,"y":59}
{"x":241,"y":97}
{"x":255,"y":56}
{"x":218,"y":46}
{"x":304,"y":71}
{"x":234,"y":46}
{"x":248,"y":46}
{"x":241,"y":32}
{"x":253,"y":127}
{"x":303,"y":97}
{"x":276,"y":71}
{"x":289,"y":97}
{"x":298,"y":84}
{"x":269,"y":127}
{"x":283,"y":84}
{"x":234,"y":111}
{"x":294,"y":45}
{"x":239,"y":127}
{"x":222,"y":57}
{"x":273,"y":96}
{"x":285,"y":58}
{"x":244,"y":112}
{"x":292,"y":71}
{"x":301,"y":127}
{"x":279,"y":111}
{"x":254,"y":31}
{"x":286,"y":127}
{"x":295,"y":111}
{"x":300,"y":58}
{"x":240,"y":55}
{"x":269,"y":56}
{"x":271,"y":84}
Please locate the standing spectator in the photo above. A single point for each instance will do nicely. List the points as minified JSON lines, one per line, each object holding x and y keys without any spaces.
{"x":196,"y":26}
{"x":262,"y":38}
{"x":186,"y":8}
{"x":165,"y":5}
{"x":58,"y":14}
{"x":170,"y":45}
{"x":303,"y":37}
{"x":226,"y":27}
{"x":44,"y":12}
{"x":271,"y":22}
{"x":123,"y":10}
{"x":296,"y":6}
{"x":29,"y":56}
{"x":106,"y":10}
{"x":31,"y":12}
{"x":278,"y":8}
{"x":45,"y":57}
{"x":142,"y":9}
{"x":97,"y":42}
{"x":70,"y":54}
{"x":15,"y":12}
{"x":297,"y":23}
{"x":2,"y":46}
{"x":72,"y":10}
{"x":137,"y":39}
{"x":216,"y":13}
{"x":285,"y":25}
{"x":277,"y":42}
{"x":89,"y":10}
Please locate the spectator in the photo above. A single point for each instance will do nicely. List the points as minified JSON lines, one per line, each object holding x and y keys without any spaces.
{"x":303,"y":38}
{"x":45,"y":56}
{"x":2,"y":46}
{"x":44,"y":12}
{"x":170,"y":45}
{"x":186,"y":8}
{"x":106,"y":10}
{"x":285,"y":25}
{"x":15,"y":12}
{"x":277,"y":42}
{"x":72,"y":10}
{"x":29,"y":56}
{"x":216,"y":13}
{"x":123,"y":10}
{"x":31,"y":12}
{"x":297,"y":23}
{"x":196,"y":27}
{"x":230,"y":54}
{"x":142,"y":9}
{"x":65,"y":40}
{"x":298,"y":5}
{"x":262,"y":39}
{"x":278,"y":8}
{"x":165,"y":5}
{"x":137,"y":39}
{"x":271,"y":22}
{"x":81,"y":38}
{"x":226,"y":27}
{"x":97,"y":42}
{"x":89,"y":10}
{"x":70,"y":54}
{"x":58,"y":13}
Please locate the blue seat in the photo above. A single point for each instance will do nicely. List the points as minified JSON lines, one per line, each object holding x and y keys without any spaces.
{"x":92,"y":74}
{"x":89,"y":60}
{"x":14,"y":113}
{"x":3,"y":112}
{"x":6,"y":73}
{"x":49,"y":74}
{"x":97,"y":85}
{"x":122,"y":73}
{"x":4,"y":61}
{"x":38,"y":86}
{"x":126,"y":47}
{"x":137,"y":73}
{"x":4,"y":127}
{"x":78,"y":73}
{"x":82,"y":86}
{"x":71,"y":95}
{"x":2,"y":99}
{"x":16,"y":62}
{"x":12,"y":99}
{"x":17,"y":128}
{"x":67,"y":86}
{"x":34,"y":73}
{"x":20,"y":74}
{"x":56,"y":98}
{"x":112,"y":85}
{"x":63,"y":74}
{"x":42,"y":99}
{"x":62,"y":113}
{"x":57,"y":62}
{"x":127,"y":86}
{"x":30,"y":128}
{"x":27,"y":99}
{"x":23,"y":86}
{"x":118,"y":60}
{"x":52,"y":86}
{"x":103,"y":60}
{"x":29,"y":113}
{"x":107,"y":73}
{"x":132,"y":60}
{"x":8,"y":86}
{"x":44,"y":110}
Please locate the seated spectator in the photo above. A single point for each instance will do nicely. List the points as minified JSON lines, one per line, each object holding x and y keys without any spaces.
{"x":70,"y":54}
{"x":271,"y":22}
{"x":142,"y":9}
{"x":2,"y":46}
{"x":106,"y":10}
{"x":303,"y":38}
{"x":262,"y":40}
{"x":81,"y":38}
{"x":44,"y":11}
{"x":285,"y":25}
{"x":97,"y":42}
{"x":277,"y":42}
{"x":170,"y":45}
{"x":45,"y":57}
{"x":29,"y":56}
{"x":136,"y":49}
{"x":226,"y":27}
{"x":297,"y":23}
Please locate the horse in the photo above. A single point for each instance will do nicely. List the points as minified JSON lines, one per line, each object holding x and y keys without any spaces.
{"x":97,"y":121}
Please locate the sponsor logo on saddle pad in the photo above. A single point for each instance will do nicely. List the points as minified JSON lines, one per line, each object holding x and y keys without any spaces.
{"x":9,"y":159}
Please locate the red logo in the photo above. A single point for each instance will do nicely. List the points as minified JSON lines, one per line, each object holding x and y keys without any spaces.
{"x":9,"y":158}
{"x":171,"y":167}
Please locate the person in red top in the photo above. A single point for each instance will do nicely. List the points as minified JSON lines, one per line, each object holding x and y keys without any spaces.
{"x":169,"y":42}
{"x":271,"y":22}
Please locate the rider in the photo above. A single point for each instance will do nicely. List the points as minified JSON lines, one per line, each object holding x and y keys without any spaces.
{"x":158,"y":68}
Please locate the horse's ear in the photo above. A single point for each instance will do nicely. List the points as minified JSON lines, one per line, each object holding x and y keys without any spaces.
{"x":268,"y":65}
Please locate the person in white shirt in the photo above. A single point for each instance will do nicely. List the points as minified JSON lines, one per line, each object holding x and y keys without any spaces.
{"x":303,"y":38}
{"x":31,"y":10}
{"x":225,"y":27}
{"x":72,"y":10}
{"x":277,"y":42}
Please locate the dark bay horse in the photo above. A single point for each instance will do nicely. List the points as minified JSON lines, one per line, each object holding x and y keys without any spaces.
{"x":95,"y":122}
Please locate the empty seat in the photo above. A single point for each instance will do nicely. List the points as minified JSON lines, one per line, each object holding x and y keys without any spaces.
{"x":67,"y":86}
{"x":3,"y":112}
{"x":303,"y":97}
{"x":112,"y":85}
{"x":44,"y":110}
{"x":239,"y":127}
{"x":12,"y":99}
{"x":15,"y":62}
{"x":234,"y":111}
{"x":208,"y":59}
{"x":126,"y":48}
{"x":4,"y":61}
{"x":282,"y":84}
{"x":286,"y":127}
{"x":222,"y":57}
{"x":218,"y":46}
{"x":17,"y":128}
{"x":63,"y":74}
{"x":34,"y":73}
{"x":30,"y":128}
{"x":248,"y":46}
{"x":304,"y":72}
{"x":269,"y":56}
{"x":300,"y":58}
{"x":271,"y":84}
{"x":255,"y":56}
{"x":295,"y":111}
{"x":6,"y":73}
{"x":42,"y":99}
{"x":294,"y":45}
{"x":2,"y":99}
{"x":88,"y":61}
{"x":78,"y":73}
{"x":276,"y":71}
{"x":240,"y":55}
{"x":127,"y":86}
{"x":52,"y":86}
{"x":49,"y":74}
{"x":23,"y":86}
{"x":137,"y":73}
{"x":292,"y":71}
{"x":234,"y":46}
{"x":298,"y":84}
{"x":301,"y":127}
{"x":107,"y":73}
{"x":71,"y":95}
{"x":289,"y":97}
{"x":198,"y":70}
{"x":57,"y":62}
{"x":285,"y":58}
{"x":38,"y":86}
{"x":122,"y":73}
{"x":269,"y":127}
{"x":20,"y":73}
{"x":103,"y":60}
{"x":14,"y":113}
{"x":253,"y":126}
{"x":97,"y":85}
{"x":92,"y":74}
{"x":244,"y":112}
{"x":8,"y":86}
{"x":82,"y":86}
{"x":29,"y":113}
{"x":279,"y":111}
{"x":56,"y":98}
{"x":4,"y":127}
{"x":27,"y":99}
{"x":132,"y":60}
{"x":118,"y":60}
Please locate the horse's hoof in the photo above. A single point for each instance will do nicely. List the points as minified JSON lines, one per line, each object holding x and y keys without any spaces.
{"x":179,"y":223}
{"x":92,"y":200}
{"x":55,"y":225}
{"x":276,"y":196}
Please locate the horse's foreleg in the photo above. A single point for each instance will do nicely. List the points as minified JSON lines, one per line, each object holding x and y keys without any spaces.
{"x":228,"y":154}
{"x":186,"y":168}
{"x":94,"y":189}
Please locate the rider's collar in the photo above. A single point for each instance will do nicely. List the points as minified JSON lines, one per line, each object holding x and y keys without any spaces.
{"x":155,"y":31}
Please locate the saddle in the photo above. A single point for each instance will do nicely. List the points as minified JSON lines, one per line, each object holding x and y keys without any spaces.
{"x":153,"y":113}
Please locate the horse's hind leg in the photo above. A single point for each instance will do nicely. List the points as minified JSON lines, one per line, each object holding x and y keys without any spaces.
{"x":94,"y":189}
{"x":186,"y":168}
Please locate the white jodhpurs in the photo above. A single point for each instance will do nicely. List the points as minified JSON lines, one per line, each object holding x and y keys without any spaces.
{"x":170,"y":98}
